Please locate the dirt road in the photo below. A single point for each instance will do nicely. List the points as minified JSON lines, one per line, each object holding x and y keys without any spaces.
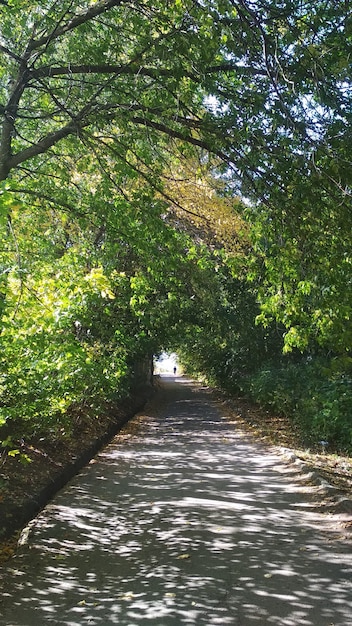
{"x":182,"y":520}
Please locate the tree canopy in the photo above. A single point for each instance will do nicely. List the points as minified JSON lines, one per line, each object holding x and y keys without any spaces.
{"x":262,"y":84}
{"x":171,"y":173}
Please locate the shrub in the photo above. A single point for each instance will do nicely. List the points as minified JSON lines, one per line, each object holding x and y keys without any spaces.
{"x":314,"y":395}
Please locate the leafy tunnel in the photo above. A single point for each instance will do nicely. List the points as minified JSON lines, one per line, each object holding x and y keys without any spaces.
{"x":175,"y":176}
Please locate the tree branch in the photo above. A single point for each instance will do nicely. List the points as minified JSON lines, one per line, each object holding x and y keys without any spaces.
{"x":103,"y":68}
{"x":201,"y":143}
{"x":11,"y":54}
{"x":106,"y":68}
{"x":44,"y":144}
{"x":93,"y":11}
{"x":46,"y":197}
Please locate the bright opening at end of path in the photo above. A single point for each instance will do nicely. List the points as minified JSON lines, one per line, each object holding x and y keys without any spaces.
{"x":167,"y":364}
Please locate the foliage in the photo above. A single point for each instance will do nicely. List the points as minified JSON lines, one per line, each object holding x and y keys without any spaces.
{"x":49,"y":360}
{"x":206,"y":212}
{"x":101,"y":72}
{"x":86,"y":296}
{"x":263,"y":86}
{"x":226,"y":345}
{"x":174,"y":175}
{"x":317,"y":395}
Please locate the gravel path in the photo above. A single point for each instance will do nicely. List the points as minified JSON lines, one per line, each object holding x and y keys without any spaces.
{"x":182,"y":520}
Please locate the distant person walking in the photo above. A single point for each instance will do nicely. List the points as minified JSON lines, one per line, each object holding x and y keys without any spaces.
{"x":175,"y":370}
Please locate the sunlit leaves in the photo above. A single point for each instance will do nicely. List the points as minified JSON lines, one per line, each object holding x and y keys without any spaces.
{"x":89,"y":293}
{"x":198,"y":204}
{"x":115,"y":236}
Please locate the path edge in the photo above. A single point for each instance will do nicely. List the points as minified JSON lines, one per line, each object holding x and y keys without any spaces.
{"x":15,"y":518}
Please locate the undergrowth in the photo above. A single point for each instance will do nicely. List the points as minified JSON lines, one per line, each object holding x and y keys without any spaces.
{"x":315,"y":395}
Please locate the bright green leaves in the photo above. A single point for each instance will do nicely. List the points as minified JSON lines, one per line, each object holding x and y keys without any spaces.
{"x":88,"y":293}
{"x":112,"y":246}
{"x":53,"y":359}
{"x":304,"y":272}
{"x":100,"y":283}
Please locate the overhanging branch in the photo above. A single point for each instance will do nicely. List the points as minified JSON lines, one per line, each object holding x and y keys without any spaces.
{"x":134,"y":69}
{"x":93,"y":11}
{"x":44,"y":144}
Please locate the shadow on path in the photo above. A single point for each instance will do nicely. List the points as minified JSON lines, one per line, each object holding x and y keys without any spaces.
{"x":182,"y":520}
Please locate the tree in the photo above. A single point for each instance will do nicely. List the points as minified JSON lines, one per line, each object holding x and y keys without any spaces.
{"x":279,"y":74}
{"x":88,"y":294}
{"x":263,"y":85}
{"x":106,"y":105}
{"x":70,"y":70}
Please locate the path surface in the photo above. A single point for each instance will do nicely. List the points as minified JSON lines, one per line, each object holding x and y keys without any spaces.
{"x":182,"y":520}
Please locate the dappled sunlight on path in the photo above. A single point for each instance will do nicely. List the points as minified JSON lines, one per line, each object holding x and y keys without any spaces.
{"x":182,"y":520}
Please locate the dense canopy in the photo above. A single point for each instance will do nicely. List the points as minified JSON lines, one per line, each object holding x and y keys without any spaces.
{"x":175,"y":174}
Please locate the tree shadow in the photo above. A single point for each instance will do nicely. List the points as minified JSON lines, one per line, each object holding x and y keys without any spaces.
{"x":182,"y":521}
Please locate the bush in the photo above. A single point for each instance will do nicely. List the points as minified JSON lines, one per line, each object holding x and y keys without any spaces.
{"x":313,"y":394}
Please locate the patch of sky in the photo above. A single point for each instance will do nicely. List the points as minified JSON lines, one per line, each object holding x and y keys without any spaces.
{"x":166,"y":363}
